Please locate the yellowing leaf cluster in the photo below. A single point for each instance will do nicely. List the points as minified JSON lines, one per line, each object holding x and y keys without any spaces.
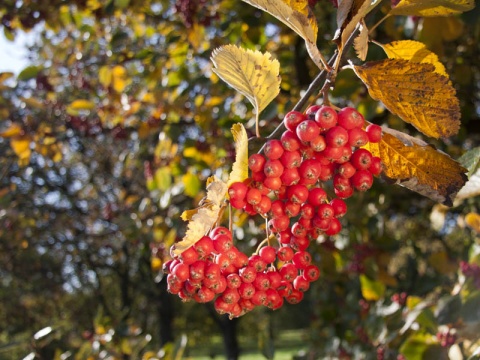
{"x":414,"y":92}
{"x":419,"y":167}
{"x":432,"y":7}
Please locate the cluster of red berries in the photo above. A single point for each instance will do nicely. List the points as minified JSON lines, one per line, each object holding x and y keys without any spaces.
{"x":215,"y":270}
{"x":286,"y":186}
{"x":286,"y":183}
{"x":446,"y":338}
{"x":471,"y":271}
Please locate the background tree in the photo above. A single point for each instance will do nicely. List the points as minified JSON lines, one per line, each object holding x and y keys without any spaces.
{"x":113,"y":131}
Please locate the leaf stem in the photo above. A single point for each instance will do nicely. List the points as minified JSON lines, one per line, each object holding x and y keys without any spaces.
{"x":378,"y":23}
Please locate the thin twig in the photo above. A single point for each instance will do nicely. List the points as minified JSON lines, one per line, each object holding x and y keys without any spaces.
{"x":314,"y":87}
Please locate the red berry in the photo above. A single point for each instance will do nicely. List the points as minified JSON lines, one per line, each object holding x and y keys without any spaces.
{"x":325,"y":211}
{"x":295,"y":297}
{"x":346,"y":154}
{"x":299,"y":243}
{"x":220,"y":230}
{"x":357,"y":137}
{"x":268,"y":254}
{"x":298,"y":194}
{"x":288,"y":272}
{"x":292,"y":119}
{"x":274,"y":300}
{"x":336,"y":137}
{"x":362,"y":180}
{"x":256,"y":162}
{"x":310,"y":169}
{"x":273,"y":149}
{"x":204,"y":247}
{"x":181,"y":271}
{"x":273,"y":168}
{"x":277,"y":209}
{"x":275,"y":279}
{"x":344,"y":193}
{"x":290,"y":141}
{"x":290,"y":177}
{"x":339,"y":207}
{"x":318,"y":144}
{"x":285,"y":253}
{"x":307,"y":211}
{"x":335,"y":227}
{"x":263,"y":207}
{"x":261,"y":282}
{"x":311,"y":273}
{"x":341,"y":183}
{"x":279,"y":224}
{"x":311,"y":111}
{"x":317,"y":196}
{"x":204,"y":295}
{"x":257,"y":262}
{"x":197,"y":270}
{"x":292,"y":209}
{"x":273,"y":183}
{"x":374,"y":133}
{"x":326,"y":117}
{"x":246,"y":290}
{"x":222,"y":243}
{"x":346,"y":170}
{"x":291,"y":159}
{"x":307,"y":130}
{"x":237,"y":191}
{"x":234,"y":281}
{"x":221,"y":306}
{"x":361,"y":159}
{"x":376,"y":166}
{"x":301,"y":284}
{"x":285,"y":237}
{"x":254,"y":196}
{"x":259,"y":298}
{"x":189,"y":256}
{"x":301,"y":259}
{"x":350,"y":118}
{"x":212,"y":271}
{"x":248,"y":274}
{"x":231,"y":296}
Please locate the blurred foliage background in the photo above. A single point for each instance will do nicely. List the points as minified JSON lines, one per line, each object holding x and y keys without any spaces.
{"x":111,"y":133}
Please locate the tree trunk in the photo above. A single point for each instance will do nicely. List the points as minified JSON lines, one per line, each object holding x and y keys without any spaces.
{"x":165,"y":313}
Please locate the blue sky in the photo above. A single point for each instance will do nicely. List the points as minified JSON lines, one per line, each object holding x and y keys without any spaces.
{"x":13,"y":55}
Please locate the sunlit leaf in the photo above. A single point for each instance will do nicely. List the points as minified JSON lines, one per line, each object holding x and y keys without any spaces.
{"x":441,"y":262}
{"x":419,"y":167}
{"x":473,"y":221}
{"x":415,"y":51}
{"x":414,"y":92}
{"x":240,"y":166}
{"x":192,"y":184}
{"x":82,"y":104}
{"x":361,"y":43}
{"x":298,"y":16}
{"x":252,"y":73}
{"x":205,"y":217}
{"x":21,"y":147}
{"x":423,"y":346}
{"x":372,"y":290}
{"x":32,"y":102}
{"x":13,"y":130}
{"x":432,"y":7}
{"x":28,"y":73}
{"x":163,"y":178}
{"x":105,"y":76}
{"x":119,"y":78}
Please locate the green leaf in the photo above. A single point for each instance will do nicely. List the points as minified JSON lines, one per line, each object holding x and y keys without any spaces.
{"x":371,"y":290}
{"x":422,"y":347}
{"x":28,"y":73}
{"x":471,"y":160}
{"x":192,"y":184}
{"x":163,"y":178}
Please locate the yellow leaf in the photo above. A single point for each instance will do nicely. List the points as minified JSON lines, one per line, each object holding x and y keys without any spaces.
{"x":240,"y":166}
{"x":196,"y":35}
{"x":105,"y":76}
{"x":442,"y":263}
{"x":119,"y":78}
{"x":206,"y":216}
{"x":253,"y":74}
{"x":371,"y":290}
{"x":5,"y":76}
{"x":32,"y":102}
{"x":12,"y":131}
{"x":432,"y":7}
{"x":419,"y":167}
{"x":191,"y":183}
{"x":414,"y":51}
{"x":21,"y":147}
{"x":82,"y":104}
{"x":350,"y":13}
{"x":414,"y":92}
{"x":361,"y":43}
{"x":298,"y":16}
{"x":473,"y":221}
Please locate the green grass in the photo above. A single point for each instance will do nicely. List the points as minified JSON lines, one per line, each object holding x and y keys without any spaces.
{"x":287,"y":344}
